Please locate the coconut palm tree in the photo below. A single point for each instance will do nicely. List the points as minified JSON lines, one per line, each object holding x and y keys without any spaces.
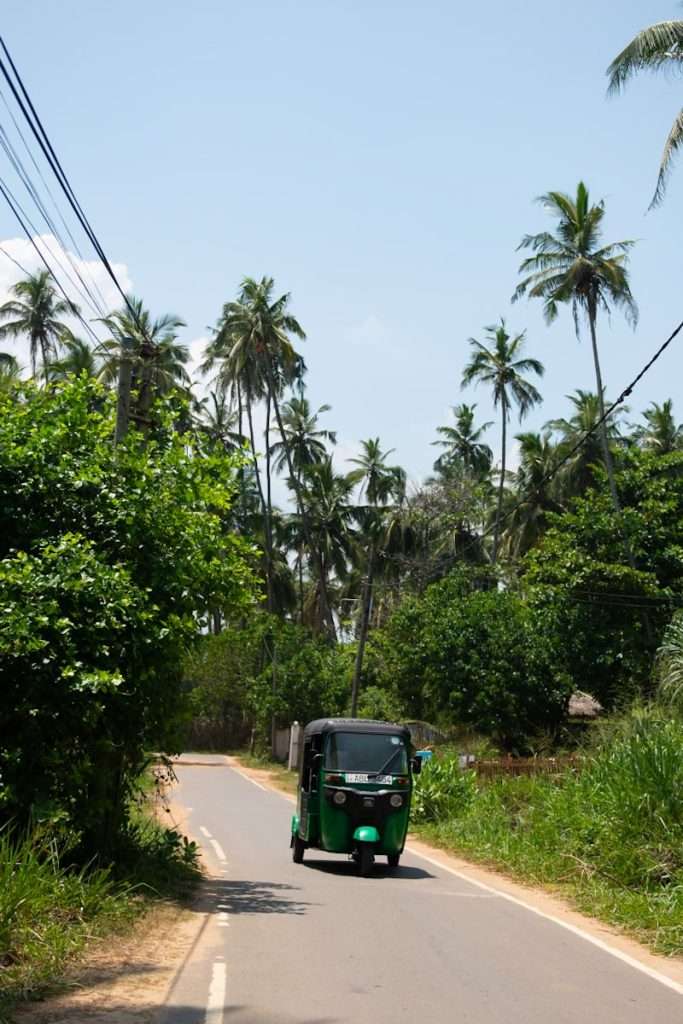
{"x":570,"y":267}
{"x":218,"y":421}
{"x":502,"y":369}
{"x":660,"y":433}
{"x":657,"y":48}
{"x":307,"y":445}
{"x":533,"y":495}
{"x":78,"y":357}
{"x":578,"y":473}
{"x":463,"y":443}
{"x":255,"y":347}
{"x":379,"y":484}
{"x":10,"y":371}
{"x":327,"y":498}
{"x":306,"y":442}
{"x":133,"y":332}
{"x":35,"y":312}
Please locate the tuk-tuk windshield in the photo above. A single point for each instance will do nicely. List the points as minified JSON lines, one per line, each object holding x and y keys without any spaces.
{"x":366,"y":752}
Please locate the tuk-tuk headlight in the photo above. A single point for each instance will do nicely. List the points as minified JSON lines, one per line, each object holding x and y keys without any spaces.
{"x":396,"y":800}
{"x":339,"y":797}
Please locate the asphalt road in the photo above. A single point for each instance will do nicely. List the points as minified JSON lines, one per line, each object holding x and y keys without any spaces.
{"x":314,"y":944}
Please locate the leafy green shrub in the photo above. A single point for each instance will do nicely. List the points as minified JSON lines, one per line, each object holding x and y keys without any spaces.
{"x":442,"y":790}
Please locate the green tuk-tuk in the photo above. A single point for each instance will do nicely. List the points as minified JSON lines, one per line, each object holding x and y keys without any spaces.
{"x":355,"y":784}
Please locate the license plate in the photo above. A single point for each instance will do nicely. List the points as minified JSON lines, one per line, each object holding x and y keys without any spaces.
{"x":356,"y":778}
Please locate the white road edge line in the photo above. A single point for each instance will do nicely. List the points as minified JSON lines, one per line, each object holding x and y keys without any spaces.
{"x":253,"y":781}
{"x":676,"y":986}
{"x":604,"y":946}
{"x":218,"y":849}
{"x":205,"y":832}
{"x":216,"y":1001}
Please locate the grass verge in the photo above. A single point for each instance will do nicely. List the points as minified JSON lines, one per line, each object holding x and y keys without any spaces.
{"x":51,"y":908}
{"x":277,"y":773}
{"x":609,"y":838}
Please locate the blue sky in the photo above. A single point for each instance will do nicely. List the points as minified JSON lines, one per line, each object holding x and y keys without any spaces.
{"x":378,"y":159}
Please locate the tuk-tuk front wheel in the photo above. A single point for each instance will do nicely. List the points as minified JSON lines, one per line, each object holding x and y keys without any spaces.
{"x":298,"y":847}
{"x":366,"y":859}
{"x":393,"y":859}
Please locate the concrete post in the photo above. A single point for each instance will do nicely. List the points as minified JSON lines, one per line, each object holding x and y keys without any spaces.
{"x":295,"y":737}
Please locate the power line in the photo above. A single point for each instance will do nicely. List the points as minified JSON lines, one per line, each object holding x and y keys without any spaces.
{"x":25,"y":179}
{"x":72,"y":307}
{"x":36,"y":126}
{"x":49,"y":191}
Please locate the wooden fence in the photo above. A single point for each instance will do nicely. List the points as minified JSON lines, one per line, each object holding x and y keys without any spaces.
{"x":510,"y":767}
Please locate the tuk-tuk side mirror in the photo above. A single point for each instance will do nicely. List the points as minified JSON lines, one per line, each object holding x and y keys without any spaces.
{"x":416,"y":765}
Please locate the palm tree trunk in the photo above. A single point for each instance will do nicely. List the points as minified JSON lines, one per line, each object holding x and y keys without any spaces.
{"x":240,"y":428}
{"x":269,"y":482}
{"x":501,"y":485}
{"x":269,"y":580}
{"x":363,"y":633}
{"x":609,"y":465}
{"x":315,"y":554}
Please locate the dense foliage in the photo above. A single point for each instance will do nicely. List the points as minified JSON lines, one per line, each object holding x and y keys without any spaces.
{"x":109,"y":562}
{"x":480,"y":657}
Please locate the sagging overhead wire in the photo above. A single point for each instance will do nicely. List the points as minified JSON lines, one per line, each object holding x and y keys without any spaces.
{"x":31,"y":117}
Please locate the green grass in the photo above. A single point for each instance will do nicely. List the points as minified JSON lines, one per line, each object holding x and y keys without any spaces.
{"x":609,"y":838}
{"x":50,"y":909}
{"x":279,"y":774}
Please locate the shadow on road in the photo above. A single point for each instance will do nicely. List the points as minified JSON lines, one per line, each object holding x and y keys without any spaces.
{"x":347,"y":868}
{"x":236,"y":1015}
{"x":243,"y":896}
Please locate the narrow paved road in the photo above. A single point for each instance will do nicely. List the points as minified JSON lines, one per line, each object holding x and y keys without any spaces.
{"x":314,"y":944}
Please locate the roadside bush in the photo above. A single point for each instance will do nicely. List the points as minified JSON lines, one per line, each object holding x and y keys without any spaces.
{"x":109,"y":562}
{"x":458,"y":655}
{"x":442,"y":790}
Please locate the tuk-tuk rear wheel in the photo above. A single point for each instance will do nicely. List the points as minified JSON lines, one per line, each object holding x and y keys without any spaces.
{"x":366,"y":859}
{"x":393,"y":859}
{"x":298,"y":847}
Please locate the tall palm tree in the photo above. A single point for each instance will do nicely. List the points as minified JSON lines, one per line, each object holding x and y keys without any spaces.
{"x":660,"y":433}
{"x":578,"y":473}
{"x":463,"y":443}
{"x":379,"y":483}
{"x":500,"y":367}
{"x":78,"y":357}
{"x":570,"y":267}
{"x":307,"y":445}
{"x":306,"y":442}
{"x":10,"y":371}
{"x":35,"y":311}
{"x":144,"y":356}
{"x":254,"y":341}
{"x":218,"y":421}
{"x":326,"y":498}
{"x":533,"y":495}
{"x":132,"y":330}
{"x":657,"y":48}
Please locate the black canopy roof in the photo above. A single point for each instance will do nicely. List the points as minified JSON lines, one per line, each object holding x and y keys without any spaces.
{"x":323,"y":726}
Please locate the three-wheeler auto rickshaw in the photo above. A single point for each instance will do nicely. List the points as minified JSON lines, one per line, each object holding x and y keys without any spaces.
{"x":355,"y":783}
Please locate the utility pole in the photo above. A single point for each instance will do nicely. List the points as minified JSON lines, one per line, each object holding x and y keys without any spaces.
{"x":123,"y":398}
{"x":366,"y":607}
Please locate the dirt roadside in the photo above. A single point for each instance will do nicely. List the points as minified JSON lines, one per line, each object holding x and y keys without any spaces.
{"x":126,"y":979}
